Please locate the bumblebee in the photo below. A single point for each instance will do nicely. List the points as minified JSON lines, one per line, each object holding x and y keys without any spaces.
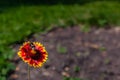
{"x":32,"y":45}
{"x":33,"y":48}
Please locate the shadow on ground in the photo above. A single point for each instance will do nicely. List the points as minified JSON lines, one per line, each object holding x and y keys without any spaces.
{"x":7,"y":4}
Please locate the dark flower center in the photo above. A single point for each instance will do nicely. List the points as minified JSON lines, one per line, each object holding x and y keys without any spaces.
{"x":37,"y":55}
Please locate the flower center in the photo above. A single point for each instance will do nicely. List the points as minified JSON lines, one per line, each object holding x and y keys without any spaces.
{"x":36,"y":55}
{"x":33,"y":51}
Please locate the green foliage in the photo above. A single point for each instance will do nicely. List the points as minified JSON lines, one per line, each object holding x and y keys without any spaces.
{"x":77,"y":68}
{"x":102,"y":48}
{"x":104,"y":13}
{"x":30,"y":19}
{"x":85,"y":28}
{"x":5,"y":68}
{"x":61,"y":49}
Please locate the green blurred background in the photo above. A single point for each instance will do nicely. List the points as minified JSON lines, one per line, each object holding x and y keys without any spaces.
{"x":21,"y":18}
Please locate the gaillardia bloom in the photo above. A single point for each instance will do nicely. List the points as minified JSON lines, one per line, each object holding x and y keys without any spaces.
{"x":33,"y":53}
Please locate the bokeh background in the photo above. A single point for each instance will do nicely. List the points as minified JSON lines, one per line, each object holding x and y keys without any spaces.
{"x":65,"y":23}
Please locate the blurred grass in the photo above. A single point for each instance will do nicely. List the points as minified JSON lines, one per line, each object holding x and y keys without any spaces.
{"x":19,"y":22}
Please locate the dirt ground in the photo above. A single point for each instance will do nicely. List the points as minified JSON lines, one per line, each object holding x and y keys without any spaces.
{"x":93,"y":55}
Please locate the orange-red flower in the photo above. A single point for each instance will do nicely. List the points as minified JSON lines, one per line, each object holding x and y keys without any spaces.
{"x":33,"y":53}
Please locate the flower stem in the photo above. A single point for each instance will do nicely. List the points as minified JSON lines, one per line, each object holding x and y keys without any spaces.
{"x":28,"y":72}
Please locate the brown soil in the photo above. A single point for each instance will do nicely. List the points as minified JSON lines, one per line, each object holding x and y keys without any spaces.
{"x":93,"y":55}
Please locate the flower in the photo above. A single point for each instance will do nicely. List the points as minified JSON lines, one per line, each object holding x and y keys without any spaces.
{"x":33,"y":53}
